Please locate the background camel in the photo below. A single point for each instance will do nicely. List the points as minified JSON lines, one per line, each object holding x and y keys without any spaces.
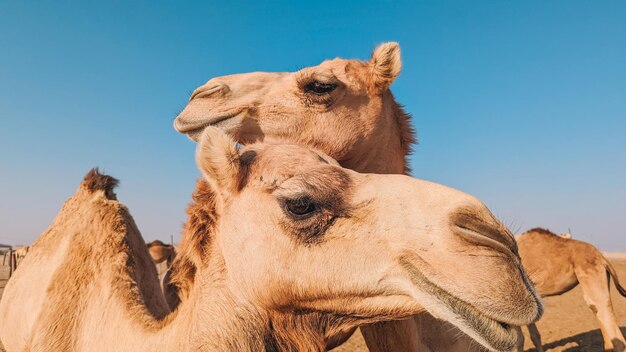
{"x":556,"y":265}
{"x":90,"y":280}
{"x":162,"y":255}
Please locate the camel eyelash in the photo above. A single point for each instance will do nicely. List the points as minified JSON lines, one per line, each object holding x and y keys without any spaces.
{"x":308,"y":77}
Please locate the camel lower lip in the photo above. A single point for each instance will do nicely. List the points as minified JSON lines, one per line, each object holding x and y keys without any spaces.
{"x":498,"y":335}
{"x":197,"y":127}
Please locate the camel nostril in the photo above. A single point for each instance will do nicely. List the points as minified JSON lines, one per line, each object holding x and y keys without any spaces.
{"x":206,"y":91}
{"x":476,"y":226}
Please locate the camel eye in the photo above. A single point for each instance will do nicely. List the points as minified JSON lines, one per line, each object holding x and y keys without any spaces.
{"x":319,"y":88}
{"x":300,"y":208}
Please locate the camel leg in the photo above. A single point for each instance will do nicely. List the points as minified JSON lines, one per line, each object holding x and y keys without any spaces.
{"x":520,"y":340}
{"x":535,"y":336}
{"x":595,"y":286}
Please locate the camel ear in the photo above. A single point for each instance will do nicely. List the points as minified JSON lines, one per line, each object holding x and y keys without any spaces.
{"x":385,"y":65}
{"x":218,"y":160}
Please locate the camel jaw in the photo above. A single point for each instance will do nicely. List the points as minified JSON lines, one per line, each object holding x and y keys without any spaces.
{"x":494,"y":335}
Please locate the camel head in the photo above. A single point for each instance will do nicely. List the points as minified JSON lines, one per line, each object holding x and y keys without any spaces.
{"x":160,"y":252}
{"x":343,"y":107}
{"x":299,"y":233}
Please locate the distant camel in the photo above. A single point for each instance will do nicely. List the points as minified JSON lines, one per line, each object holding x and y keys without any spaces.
{"x":294,"y":249}
{"x":162,"y":255}
{"x":556,"y":264}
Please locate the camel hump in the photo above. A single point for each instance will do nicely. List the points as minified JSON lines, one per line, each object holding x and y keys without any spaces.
{"x":96,"y":181}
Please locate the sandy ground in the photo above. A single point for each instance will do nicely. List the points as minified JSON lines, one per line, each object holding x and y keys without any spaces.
{"x":567,"y":325}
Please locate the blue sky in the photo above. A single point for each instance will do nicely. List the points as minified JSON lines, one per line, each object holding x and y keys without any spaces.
{"x":522,"y":104}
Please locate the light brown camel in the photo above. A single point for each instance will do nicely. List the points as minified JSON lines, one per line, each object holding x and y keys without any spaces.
{"x":320,"y":248}
{"x":162,"y":256}
{"x":556,"y":265}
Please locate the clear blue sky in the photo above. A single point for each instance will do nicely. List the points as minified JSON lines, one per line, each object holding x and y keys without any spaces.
{"x":522,"y":104}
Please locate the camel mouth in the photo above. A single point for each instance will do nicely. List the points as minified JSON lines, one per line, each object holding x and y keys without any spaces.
{"x":493,"y":334}
{"x":229,"y":123}
{"x":200,"y":124}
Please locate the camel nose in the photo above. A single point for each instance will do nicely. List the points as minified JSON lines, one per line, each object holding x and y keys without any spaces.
{"x":208,"y":90}
{"x":478,"y":226}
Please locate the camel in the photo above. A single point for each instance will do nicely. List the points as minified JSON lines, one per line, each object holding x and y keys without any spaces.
{"x":162,"y":255}
{"x":556,"y":264}
{"x":294,"y":249}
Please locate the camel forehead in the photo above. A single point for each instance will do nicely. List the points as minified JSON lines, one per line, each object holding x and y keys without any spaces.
{"x":334,"y":64}
{"x":337,"y":67}
{"x":274,"y":163}
{"x":340,"y":67}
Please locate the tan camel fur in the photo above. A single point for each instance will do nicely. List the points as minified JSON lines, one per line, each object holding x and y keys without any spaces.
{"x":556,"y":265}
{"x":295,"y":249}
{"x":162,"y":256}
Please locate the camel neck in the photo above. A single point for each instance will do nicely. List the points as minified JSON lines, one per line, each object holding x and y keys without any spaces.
{"x":221,"y":320}
{"x":385,"y":148}
{"x":211,"y":318}
{"x":377,"y":161}
{"x":214,"y":318}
